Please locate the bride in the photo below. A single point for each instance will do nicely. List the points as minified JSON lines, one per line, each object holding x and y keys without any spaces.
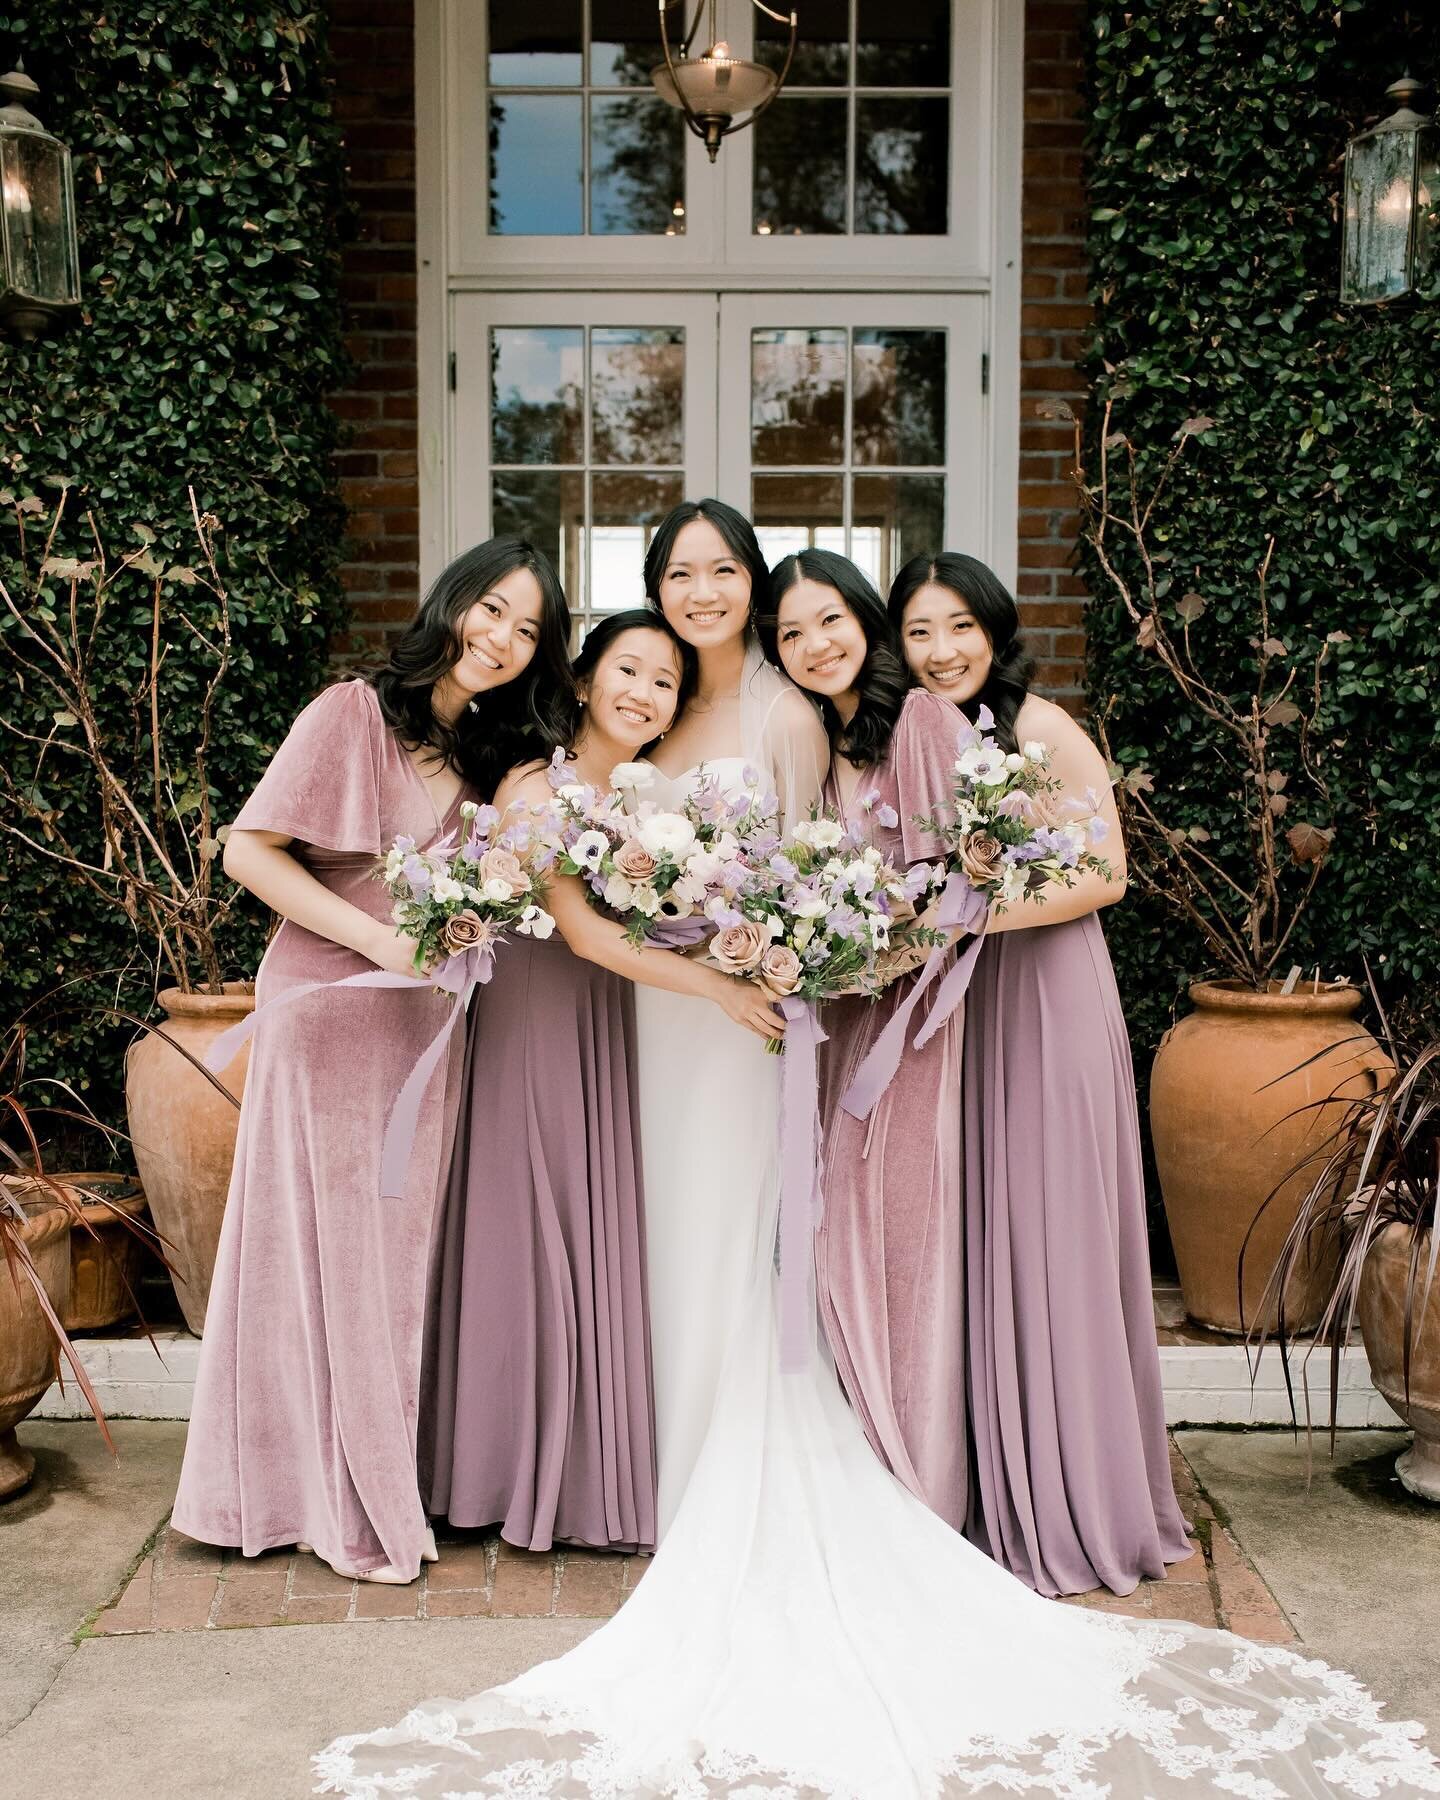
{"x":808,"y":1627}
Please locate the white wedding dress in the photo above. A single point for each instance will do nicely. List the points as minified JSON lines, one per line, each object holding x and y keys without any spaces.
{"x":807,"y":1627}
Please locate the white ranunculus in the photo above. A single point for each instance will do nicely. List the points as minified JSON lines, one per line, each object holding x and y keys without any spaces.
{"x":497,"y":890}
{"x":811,"y":906}
{"x":1014,"y":761}
{"x":1034,"y":750}
{"x":632,"y":775}
{"x":859,"y":876}
{"x":819,"y":834}
{"x":589,"y":848}
{"x":702,"y":866}
{"x":618,"y":893}
{"x":667,"y":835}
{"x":446,"y":889}
{"x":572,"y":793}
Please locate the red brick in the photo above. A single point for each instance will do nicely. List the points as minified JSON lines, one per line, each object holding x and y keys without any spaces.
{"x":317,"y":1609}
{"x":590,"y":1586}
{"x":251,"y":1602}
{"x":524,"y":1590}
{"x":462,"y":1603}
{"x":183,"y":1603}
{"x":379,"y":1600}
{"x":460,"y":1565}
{"x":1261,"y":1627}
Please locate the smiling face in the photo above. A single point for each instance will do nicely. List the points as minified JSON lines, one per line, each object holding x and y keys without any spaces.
{"x":821,"y":642}
{"x":632,"y":692}
{"x":705,"y":589}
{"x":498,"y":634}
{"x":945,"y":644}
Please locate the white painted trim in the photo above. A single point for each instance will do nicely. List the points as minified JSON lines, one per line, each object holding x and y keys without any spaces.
{"x":1006,"y":242}
{"x":432,"y":325}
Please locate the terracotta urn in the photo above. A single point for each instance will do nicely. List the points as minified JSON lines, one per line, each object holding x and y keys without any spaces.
{"x":108,"y":1258}
{"x":26,"y":1369}
{"x":183,"y":1132}
{"x":1382,"y":1325}
{"x":1241,"y":1091}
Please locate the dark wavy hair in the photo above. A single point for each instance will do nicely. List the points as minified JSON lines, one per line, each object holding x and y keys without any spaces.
{"x":599,"y":639}
{"x":738,"y":533}
{"x":507,"y":725}
{"x":1011,"y":668}
{"x":885,"y":678}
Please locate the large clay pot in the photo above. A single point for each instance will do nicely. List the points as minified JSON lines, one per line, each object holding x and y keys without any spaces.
{"x":108,"y":1258}
{"x":26,"y":1369}
{"x":1241,"y":1091}
{"x":183,"y":1133}
{"x":1382,"y":1325}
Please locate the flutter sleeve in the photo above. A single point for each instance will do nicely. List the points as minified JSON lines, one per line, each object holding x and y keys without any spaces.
{"x":923,"y":757}
{"x":323,"y":784}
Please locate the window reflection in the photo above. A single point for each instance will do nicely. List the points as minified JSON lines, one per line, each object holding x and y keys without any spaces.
{"x":637,"y":166}
{"x":537,"y":377}
{"x":899,"y":397}
{"x":902,"y":45}
{"x":822,"y":48}
{"x":548,"y":507}
{"x":534,"y":43}
{"x":625,"y":509}
{"x":624,"y":44}
{"x":797,"y":396}
{"x":637,"y":377}
{"x":800,"y":162}
{"x":535,"y":152}
{"x":902,"y":165}
{"x":896,"y":517}
{"x":798,"y":512}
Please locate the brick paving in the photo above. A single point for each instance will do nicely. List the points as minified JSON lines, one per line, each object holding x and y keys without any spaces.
{"x":185,"y":1586}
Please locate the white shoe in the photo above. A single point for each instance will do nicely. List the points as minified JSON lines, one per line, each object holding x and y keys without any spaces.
{"x":386,"y":1575}
{"x":429,"y":1553}
{"x":304,"y":1548}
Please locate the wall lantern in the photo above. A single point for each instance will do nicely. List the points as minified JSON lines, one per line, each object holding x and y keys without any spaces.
{"x":40,"y":282}
{"x":1392,"y":203}
{"x":715,"y":89}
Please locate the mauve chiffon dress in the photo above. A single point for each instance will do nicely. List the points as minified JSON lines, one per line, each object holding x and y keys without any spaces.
{"x":537,"y":1411}
{"x":306,"y":1401}
{"x":890,"y":1275}
{"x":1071,"y":1486}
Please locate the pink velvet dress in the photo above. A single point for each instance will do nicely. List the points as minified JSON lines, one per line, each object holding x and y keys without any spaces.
{"x":890,"y":1273}
{"x":304,"y":1417}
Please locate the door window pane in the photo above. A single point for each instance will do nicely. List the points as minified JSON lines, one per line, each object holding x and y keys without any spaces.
{"x":534,"y":43}
{"x":822,"y":45}
{"x":800,"y":165}
{"x":797,"y":396}
{"x":902,"y":46}
{"x":548,"y":507}
{"x":902,"y":165}
{"x":537,"y":381}
{"x":637,"y":376}
{"x":798,"y":512}
{"x":637,"y":166}
{"x":535,"y":152}
{"x":895,"y":517}
{"x":624,"y":512}
{"x":899,"y":397}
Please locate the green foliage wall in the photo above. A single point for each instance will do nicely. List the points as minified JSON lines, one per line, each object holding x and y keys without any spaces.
{"x":1216,"y":133}
{"x":208,"y":186}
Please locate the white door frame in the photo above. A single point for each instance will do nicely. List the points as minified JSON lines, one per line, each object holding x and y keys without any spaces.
{"x":436,"y":81}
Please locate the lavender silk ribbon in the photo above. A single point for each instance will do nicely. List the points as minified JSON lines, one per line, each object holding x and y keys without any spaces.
{"x":678,"y":934}
{"x":459,"y":975}
{"x":960,"y":905}
{"x":799,"y":1177}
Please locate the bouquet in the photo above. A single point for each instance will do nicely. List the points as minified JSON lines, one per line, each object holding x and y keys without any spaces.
{"x":1008,"y":829}
{"x":825,"y":916}
{"x":671,"y":877}
{"x":459,"y":897}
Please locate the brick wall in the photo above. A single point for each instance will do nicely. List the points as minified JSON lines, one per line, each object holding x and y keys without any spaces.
{"x":373,"y":42}
{"x":1054,"y":318}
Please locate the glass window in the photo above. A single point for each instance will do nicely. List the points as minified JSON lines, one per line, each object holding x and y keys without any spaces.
{"x":602,"y":156}
{"x":866,"y":159}
{"x":847,"y":442}
{"x":587,"y":451}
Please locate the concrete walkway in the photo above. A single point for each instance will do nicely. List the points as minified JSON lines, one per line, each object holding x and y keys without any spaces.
{"x":190,"y":1713}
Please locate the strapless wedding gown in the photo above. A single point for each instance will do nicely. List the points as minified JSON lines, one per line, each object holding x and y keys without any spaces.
{"x":807,"y":1627}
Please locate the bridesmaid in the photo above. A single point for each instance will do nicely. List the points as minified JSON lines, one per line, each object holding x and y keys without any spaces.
{"x":537,"y":1409}
{"x":889,"y":1271}
{"x":1072,"y":1484}
{"x":304,"y":1418}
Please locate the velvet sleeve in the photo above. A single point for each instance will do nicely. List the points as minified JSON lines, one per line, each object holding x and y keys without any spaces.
{"x":923,"y":758}
{"x":323,"y":784}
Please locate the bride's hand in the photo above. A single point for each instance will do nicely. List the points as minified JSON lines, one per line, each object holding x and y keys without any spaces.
{"x":750,"y":1006}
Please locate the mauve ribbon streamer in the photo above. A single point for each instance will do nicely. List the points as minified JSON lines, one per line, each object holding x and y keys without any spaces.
{"x":799,"y":1177}
{"x":960,"y":905}
{"x":458,"y":975}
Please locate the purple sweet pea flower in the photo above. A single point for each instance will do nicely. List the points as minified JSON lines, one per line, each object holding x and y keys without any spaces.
{"x":418,"y":874}
{"x":556,"y":774}
{"x":1015,"y":805}
{"x":1056,"y":844}
{"x":844,"y":921}
{"x":869,"y":799}
{"x":1097,"y":829}
{"x":888,"y":817}
{"x":781,"y":865}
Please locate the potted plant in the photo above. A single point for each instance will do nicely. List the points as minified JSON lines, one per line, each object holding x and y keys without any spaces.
{"x":38,"y":1215}
{"x":1367,"y":1214}
{"x":1243,"y":1087}
{"x":150,"y":846}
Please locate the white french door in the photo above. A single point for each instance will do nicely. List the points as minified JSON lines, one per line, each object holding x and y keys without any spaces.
{"x":851,"y":421}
